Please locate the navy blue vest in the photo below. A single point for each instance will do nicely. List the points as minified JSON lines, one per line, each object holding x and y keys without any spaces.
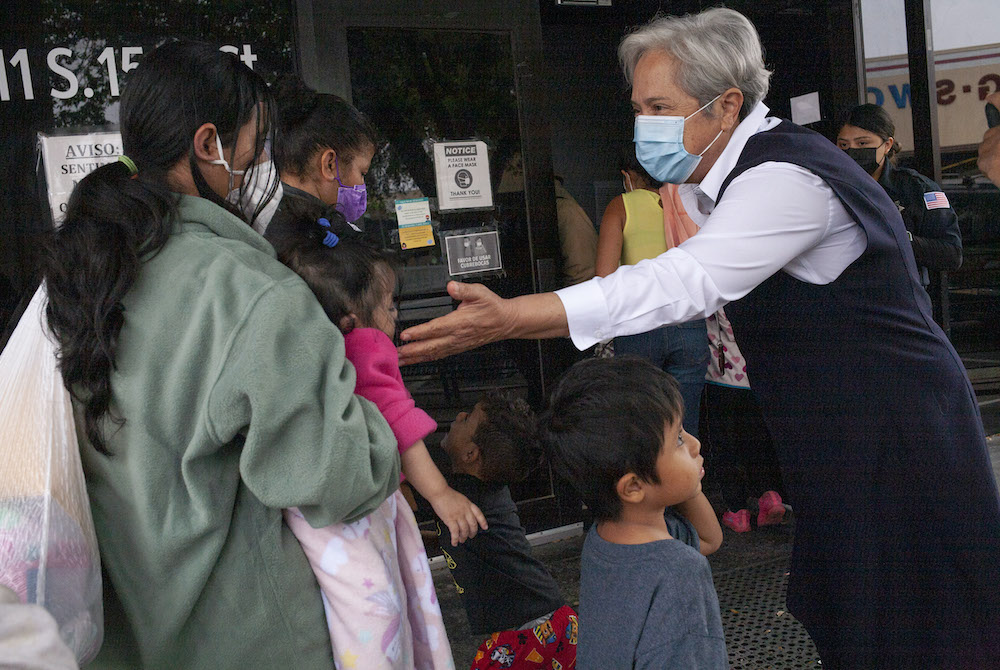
{"x":879,"y":437}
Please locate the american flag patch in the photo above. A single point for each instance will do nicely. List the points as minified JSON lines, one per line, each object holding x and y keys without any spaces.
{"x":936,"y":200}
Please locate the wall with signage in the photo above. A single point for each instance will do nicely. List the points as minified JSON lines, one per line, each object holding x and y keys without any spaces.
{"x":63,"y":65}
{"x":964,"y":78}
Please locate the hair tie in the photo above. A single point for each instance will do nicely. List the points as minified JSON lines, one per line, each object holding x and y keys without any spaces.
{"x":325,"y":222}
{"x":133,"y":171}
{"x":331,"y":239}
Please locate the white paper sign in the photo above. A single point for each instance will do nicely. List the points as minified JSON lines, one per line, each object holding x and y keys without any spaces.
{"x":413,"y":211}
{"x":463,"y":175}
{"x":69,"y":158}
{"x":805,"y":108}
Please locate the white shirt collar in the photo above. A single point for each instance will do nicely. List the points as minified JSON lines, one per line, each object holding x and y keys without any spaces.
{"x":755,"y":122}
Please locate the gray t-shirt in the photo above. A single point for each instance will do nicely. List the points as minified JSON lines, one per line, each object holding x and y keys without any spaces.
{"x":649,"y":605}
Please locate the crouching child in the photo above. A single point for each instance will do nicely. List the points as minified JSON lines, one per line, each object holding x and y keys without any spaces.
{"x":508,"y":594}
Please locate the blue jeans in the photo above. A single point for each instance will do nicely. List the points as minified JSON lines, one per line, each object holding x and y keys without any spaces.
{"x":680,"y":350}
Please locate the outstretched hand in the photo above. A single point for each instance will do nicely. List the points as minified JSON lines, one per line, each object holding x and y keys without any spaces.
{"x":481,"y":318}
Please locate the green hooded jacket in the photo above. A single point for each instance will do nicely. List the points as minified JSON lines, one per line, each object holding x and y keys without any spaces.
{"x":237,"y":402}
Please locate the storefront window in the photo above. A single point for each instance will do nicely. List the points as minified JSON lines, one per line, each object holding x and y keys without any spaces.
{"x":422,"y":87}
{"x":64,"y":64}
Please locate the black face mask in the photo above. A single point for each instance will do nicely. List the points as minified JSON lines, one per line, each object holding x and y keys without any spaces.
{"x":865,"y":158}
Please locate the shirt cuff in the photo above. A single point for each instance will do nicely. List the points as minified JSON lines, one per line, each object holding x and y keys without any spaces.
{"x":586,"y":313}
{"x":411,"y":427}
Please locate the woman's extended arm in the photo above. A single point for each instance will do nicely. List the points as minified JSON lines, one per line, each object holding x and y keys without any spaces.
{"x":481,"y":318}
{"x":749,"y":236}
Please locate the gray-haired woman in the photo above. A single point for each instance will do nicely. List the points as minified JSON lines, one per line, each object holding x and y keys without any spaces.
{"x":897,"y":554}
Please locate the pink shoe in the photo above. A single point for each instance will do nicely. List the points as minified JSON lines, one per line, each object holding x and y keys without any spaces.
{"x":737,"y":521}
{"x":771,"y":509}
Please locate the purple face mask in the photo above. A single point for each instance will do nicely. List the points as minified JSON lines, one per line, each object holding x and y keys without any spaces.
{"x":352,"y":201}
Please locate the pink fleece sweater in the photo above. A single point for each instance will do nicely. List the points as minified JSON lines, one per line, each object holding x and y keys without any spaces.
{"x":377,"y":365}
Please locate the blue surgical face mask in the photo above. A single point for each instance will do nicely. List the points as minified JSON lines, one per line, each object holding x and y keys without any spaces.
{"x":659,"y":146}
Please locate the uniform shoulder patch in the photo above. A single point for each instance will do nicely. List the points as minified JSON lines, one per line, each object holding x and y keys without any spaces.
{"x":936,"y":200}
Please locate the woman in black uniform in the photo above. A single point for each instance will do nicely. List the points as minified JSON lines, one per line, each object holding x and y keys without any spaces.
{"x":866,"y":134}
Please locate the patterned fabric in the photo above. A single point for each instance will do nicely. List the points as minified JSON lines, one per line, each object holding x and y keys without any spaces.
{"x":551,"y":645}
{"x":727,"y":365}
{"x":381,"y":607}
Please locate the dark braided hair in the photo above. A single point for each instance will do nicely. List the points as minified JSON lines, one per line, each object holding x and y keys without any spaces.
{"x":113,"y":221}
{"x":349,"y":277}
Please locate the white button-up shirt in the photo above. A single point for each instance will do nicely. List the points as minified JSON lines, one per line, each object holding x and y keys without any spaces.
{"x":776,"y":216}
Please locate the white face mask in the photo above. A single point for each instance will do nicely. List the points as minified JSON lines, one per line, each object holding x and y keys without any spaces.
{"x":221,"y":160}
{"x":255,"y":191}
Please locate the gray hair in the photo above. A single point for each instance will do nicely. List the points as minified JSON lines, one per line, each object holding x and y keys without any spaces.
{"x":715,"y":50}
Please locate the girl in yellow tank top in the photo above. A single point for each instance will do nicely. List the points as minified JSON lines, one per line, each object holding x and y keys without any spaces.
{"x":633,"y":230}
{"x":642,"y":232}
{"x":632,"y":226}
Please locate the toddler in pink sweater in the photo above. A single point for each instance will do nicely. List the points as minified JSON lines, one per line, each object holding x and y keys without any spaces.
{"x":379,"y":598}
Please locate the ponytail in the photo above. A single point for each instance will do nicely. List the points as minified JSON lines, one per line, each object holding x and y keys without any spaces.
{"x":112,"y":222}
{"x":120,"y":215}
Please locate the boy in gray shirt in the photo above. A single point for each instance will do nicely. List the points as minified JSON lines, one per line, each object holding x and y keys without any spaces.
{"x":613,"y":430}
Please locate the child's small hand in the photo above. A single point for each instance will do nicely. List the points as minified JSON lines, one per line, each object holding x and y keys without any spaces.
{"x":461,"y":516}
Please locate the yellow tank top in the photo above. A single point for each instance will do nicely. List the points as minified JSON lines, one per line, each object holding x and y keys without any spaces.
{"x":642,"y":236}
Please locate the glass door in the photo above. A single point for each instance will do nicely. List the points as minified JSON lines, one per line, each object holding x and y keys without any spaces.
{"x":437,"y":77}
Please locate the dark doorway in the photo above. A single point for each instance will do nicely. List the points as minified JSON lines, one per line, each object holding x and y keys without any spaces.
{"x":439,"y":72}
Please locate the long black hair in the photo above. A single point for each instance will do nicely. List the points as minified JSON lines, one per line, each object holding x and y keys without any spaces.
{"x":311,"y":122}
{"x":350,"y":277}
{"x":114,"y":221}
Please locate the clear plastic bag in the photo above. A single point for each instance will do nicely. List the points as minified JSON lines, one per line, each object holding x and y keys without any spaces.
{"x":48,"y":548}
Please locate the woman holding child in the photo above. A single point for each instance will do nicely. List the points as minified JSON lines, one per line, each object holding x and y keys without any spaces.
{"x":897,"y":554}
{"x":211,"y":389}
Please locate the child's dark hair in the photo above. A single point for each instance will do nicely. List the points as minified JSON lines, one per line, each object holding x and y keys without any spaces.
{"x":309,"y":122}
{"x":508,"y":447}
{"x":874,"y":119}
{"x":348,"y":277}
{"x":116,"y":219}
{"x":606,"y":418}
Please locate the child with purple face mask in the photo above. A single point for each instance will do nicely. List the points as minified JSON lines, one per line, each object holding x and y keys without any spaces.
{"x":322,"y":150}
{"x":382,"y":611}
